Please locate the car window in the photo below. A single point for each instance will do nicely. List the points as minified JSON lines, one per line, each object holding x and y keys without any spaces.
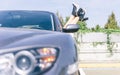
{"x":26,"y":19}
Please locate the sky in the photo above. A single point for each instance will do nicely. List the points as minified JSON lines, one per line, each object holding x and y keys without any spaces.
{"x":97,"y":10}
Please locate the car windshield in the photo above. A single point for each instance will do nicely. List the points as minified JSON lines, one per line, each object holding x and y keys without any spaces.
{"x":26,"y":19}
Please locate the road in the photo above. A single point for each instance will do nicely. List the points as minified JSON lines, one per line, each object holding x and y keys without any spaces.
{"x":101,"y":68}
{"x":102,"y":71}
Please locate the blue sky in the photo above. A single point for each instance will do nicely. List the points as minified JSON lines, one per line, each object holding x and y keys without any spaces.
{"x":97,"y":10}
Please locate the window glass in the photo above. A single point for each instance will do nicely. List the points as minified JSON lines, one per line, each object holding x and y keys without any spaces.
{"x":26,"y":19}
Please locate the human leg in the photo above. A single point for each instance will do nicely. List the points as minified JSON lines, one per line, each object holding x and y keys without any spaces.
{"x":77,"y":15}
{"x":76,"y":19}
{"x":73,"y":18}
{"x":69,"y":21}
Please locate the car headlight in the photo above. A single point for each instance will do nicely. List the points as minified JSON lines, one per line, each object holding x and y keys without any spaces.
{"x":23,"y":62}
{"x":47,"y":57}
{"x":6,"y":64}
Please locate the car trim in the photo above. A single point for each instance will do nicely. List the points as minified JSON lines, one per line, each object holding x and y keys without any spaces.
{"x":53,"y":28}
{"x":4,"y":51}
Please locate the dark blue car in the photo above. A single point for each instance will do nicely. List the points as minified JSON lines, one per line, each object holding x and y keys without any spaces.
{"x":34,"y":43}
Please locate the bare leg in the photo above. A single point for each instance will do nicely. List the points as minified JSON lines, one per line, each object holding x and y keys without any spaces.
{"x":77,"y":15}
{"x":73,"y":18}
{"x":70,"y":20}
{"x":76,"y":19}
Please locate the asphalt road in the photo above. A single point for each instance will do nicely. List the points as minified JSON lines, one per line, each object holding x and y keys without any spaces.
{"x":102,"y":71}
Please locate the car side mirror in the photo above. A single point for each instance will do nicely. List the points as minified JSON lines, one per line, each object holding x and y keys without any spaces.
{"x":71,"y":28}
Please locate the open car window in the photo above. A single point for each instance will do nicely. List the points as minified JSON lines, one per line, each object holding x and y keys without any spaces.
{"x":26,"y":19}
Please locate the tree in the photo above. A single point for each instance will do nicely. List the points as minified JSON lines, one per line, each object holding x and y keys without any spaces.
{"x":93,"y":29}
{"x":97,"y":28}
{"x":60,"y":17}
{"x":111,"y":23}
{"x":83,"y":25}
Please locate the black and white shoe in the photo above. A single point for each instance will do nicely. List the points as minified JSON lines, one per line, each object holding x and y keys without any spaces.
{"x":75,"y":9}
{"x":81,"y":14}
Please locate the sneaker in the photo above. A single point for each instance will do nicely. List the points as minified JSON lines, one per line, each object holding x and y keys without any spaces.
{"x":81,"y":14}
{"x":75,"y":9}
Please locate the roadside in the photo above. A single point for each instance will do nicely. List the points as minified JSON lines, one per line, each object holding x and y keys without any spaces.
{"x":100,"y":68}
{"x":102,"y":71}
{"x":99,"y":65}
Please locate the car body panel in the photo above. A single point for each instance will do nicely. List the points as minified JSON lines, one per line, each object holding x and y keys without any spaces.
{"x":18,"y":39}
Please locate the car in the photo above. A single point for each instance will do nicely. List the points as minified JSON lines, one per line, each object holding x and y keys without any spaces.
{"x":35,"y":43}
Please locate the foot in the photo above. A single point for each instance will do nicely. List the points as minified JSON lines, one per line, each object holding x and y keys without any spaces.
{"x":75,"y":9}
{"x":81,"y":14}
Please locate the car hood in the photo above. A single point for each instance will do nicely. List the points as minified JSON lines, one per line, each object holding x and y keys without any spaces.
{"x":16,"y":40}
{"x":14,"y":37}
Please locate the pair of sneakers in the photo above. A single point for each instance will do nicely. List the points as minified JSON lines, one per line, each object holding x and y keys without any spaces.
{"x":78,"y":12}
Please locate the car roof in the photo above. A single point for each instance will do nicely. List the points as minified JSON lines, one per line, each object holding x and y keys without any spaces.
{"x":5,"y":13}
{"x":32,"y":11}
